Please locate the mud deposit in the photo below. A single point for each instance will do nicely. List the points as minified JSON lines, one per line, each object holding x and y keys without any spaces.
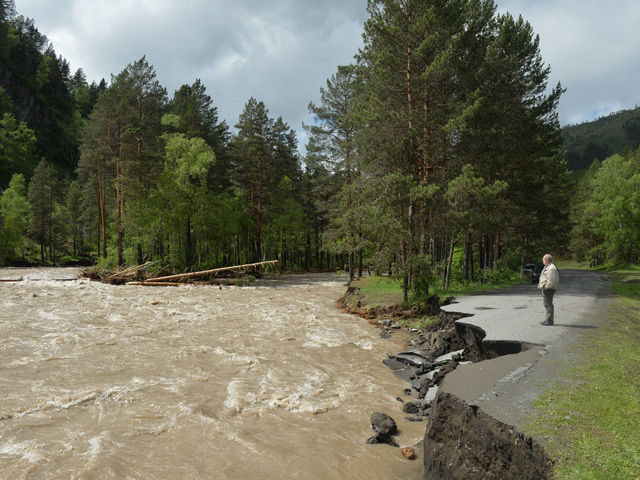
{"x":268,"y":381}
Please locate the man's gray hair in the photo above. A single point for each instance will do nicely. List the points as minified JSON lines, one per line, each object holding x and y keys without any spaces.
{"x":548,"y":257}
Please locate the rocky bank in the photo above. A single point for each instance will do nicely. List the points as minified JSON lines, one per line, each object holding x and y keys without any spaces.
{"x":461,"y":440}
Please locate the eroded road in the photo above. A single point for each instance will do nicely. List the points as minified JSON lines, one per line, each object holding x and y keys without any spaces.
{"x":506,"y":387}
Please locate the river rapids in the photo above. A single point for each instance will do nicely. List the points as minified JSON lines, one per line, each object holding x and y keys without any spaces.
{"x":194,"y":382}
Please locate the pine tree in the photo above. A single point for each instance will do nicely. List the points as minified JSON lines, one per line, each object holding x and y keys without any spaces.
{"x":515,"y":137}
{"x":413,"y":103}
{"x":74,"y":209}
{"x":43,"y":197}
{"x":332,"y":144}
{"x":121,"y":143}
{"x":252,"y":150}
{"x":199,"y":118}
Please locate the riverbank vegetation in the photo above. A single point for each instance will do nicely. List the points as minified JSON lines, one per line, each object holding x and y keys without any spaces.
{"x":591,"y":418}
{"x":381,"y":297}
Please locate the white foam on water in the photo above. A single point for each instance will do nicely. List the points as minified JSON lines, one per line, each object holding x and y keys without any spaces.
{"x":68,"y":400}
{"x":116,"y":318}
{"x":201,"y":371}
{"x":28,"y":450}
{"x":234,"y":437}
{"x":235,"y":400}
{"x":248,"y":361}
{"x":323,"y":337}
{"x":364,"y":345}
{"x":312,"y":391}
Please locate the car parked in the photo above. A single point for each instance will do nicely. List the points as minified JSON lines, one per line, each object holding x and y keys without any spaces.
{"x":528,"y":269}
{"x":537,"y":270}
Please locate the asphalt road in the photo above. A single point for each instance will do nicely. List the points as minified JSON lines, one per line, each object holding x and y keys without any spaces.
{"x":506,"y":387}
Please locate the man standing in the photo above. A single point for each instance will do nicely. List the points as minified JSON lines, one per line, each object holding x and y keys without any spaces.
{"x":548,"y":283}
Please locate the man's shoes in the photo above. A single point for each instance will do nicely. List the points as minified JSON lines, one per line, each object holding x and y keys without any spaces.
{"x":546,"y":323}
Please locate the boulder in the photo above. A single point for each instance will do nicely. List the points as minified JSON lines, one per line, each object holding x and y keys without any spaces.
{"x":411,"y":407}
{"x":384,"y":427}
{"x":383,"y":424}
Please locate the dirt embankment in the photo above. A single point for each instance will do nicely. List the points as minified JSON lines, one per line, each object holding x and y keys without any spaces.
{"x":461,"y":441}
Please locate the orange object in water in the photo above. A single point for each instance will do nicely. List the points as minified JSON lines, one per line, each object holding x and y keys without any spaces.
{"x":407,"y":452}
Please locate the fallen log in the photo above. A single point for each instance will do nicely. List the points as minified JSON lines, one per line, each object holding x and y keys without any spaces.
{"x":128,"y":271}
{"x":161,"y":284}
{"x":209,"y":272}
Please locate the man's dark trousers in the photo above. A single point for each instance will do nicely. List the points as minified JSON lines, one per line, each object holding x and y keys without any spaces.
{"x":548,"y":304}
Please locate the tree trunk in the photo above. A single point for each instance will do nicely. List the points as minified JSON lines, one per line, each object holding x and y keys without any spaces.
{"x":481,"y":252}
{"x":260,"y":207}
{"x":471,"y":261}
{"x":453,"y":244}
{"x":119,"y":220}
{"x":102,"y":213}
{"x":405,"y":274}
{"x":467,"y":249}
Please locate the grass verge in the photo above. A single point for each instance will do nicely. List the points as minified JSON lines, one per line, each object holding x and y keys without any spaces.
{"x":591,"y":418}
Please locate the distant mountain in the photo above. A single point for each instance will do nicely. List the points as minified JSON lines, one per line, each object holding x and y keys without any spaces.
{"x":601,"y":138}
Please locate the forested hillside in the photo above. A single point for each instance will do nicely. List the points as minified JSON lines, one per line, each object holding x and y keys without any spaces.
{"x":41,"y":103}
{"x":435,"y":156}
{"x":601,"y":138}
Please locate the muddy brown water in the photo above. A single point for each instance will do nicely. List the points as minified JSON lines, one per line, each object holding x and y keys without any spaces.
{"x":268,"y":381}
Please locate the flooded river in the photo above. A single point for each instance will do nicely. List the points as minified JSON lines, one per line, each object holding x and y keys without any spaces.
{"x":195,"y":382}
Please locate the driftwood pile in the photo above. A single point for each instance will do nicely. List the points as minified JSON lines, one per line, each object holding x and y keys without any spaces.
{"x":120,"y":277}
{"x":135,"y":276}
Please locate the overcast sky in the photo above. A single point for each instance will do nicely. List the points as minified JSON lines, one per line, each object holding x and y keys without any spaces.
{"x":281,"y":51}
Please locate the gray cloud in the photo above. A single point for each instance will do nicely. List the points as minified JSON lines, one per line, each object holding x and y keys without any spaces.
{"x":279,"y":52}
{"x":282,"y":51}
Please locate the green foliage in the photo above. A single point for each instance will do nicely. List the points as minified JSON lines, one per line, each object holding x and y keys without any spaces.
{"x":505,"y":270}
{"x":17,"y":145}
{"x":471,"y":201}
{"x":35,"y":79}
{"x":606,"y":215}
{"x":5,"y":102}
{"x":183,"y":186}
{"x":187,"y":164}
{"x":43,"y":196}
{"x":263,"y":154}
{"x":15,"y":216}
{"x":461,"y":145}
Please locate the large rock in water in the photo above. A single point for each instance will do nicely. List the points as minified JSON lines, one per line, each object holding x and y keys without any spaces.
{"x":383,"y":424}
{"x":463,"y":442}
